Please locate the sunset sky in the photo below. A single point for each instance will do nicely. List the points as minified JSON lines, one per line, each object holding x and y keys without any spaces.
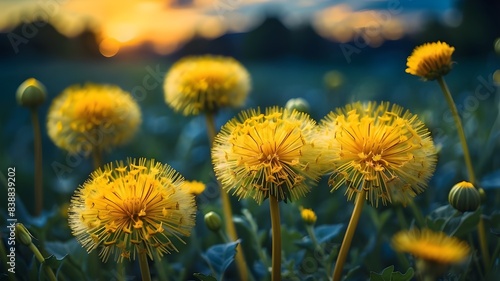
{"x":167,"y":24}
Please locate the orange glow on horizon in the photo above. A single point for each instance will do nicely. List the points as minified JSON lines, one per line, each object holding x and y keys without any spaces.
{"x":109,"y":47}
{"x":167,"y":25}
{"x":341,"y":23}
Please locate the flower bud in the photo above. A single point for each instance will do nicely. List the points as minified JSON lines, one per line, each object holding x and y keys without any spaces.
{"x":213,"y":221}
{"x":298,"y":104}
{"x":464,"y":197}
{"x":23,"y":234}
{"x":308,"y":216}
{"x":31,"y":93}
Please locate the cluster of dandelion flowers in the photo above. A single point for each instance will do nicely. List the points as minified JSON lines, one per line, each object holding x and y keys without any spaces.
{"x":273,"y":153}
{"x":92,"y":115}
{"x":128,"y":208}
{"x":199,"y":84}
{"x":431,"y":246}
{"x":380,"y":148}
{"x":430,"y":60}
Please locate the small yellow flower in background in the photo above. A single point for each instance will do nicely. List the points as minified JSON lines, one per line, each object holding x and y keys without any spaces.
{"x":430,"y":60}
{"x":431,"y":246}
{"x":273,"y":153}
{"x":379,"y":147}
{"x":92,"y":115}
{"x":200,"y":84}
{"x":127,"y":208}
{"x":194,"y":187}
{"x":308,"y":216}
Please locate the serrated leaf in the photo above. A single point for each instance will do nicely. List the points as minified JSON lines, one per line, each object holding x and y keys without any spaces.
{"x":52,"y":262}
{"x":203,"y":277}
{"x":376,"y":277}
{"x":467,"y":223}
{"x":407,"y":276}
{"x":388,"y":274}
{"x":324,"y":233}
{"x":495,"y":232}
{"x":220,"y":256}
{"x":61,"y":249}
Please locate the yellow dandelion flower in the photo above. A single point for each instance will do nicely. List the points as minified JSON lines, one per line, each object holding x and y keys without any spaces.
{"x":430,"y":60}
{"x":380,"y":148}
{"x":431,"y":246}
{"x":126,"y":209}
{"x":205,"y":83}
{"x":194,"y":187}
{"x":261,"y":154}
{"x":92,"y":115}
{"x":308,"y":216}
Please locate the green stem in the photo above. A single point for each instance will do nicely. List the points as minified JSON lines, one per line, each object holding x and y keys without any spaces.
{"x":495,"y":253}
{"x":472,"y":178}
{"x":476,"y":260}
{"x":48,"y":271}
{"x":417,"y":213}
{"x":276,"y":237}
{"x":314,"y":240}
{"x":401,"y":217}
{"x":460,"y":129}
{"x":223,"y":236}
{"x":37,"y":139}
{"x":120,"y":268}
{"x":351,"y":228}
{"x":483,"y":244}
{"x":317,"y":247}
{"x":143,"y":264}
{"x":226,"y":209}
{"x":160,"y":269}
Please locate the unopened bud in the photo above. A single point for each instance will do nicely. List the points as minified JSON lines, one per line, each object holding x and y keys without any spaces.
{"x":213,"y":221}
{"x":23,"y":234}
{"x":31,"y":93}
{"x":464,"y":197}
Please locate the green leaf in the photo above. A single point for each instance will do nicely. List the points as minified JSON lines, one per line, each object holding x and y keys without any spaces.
{"x":407,"y":276}
{"x":453,"y":222}
{"x":467,"y":223}
{"x":376,"y":277}
{"x":219,"y":257}
{"x":388,"y":274}
{"x":203,"y":277}
{"x":351,"y":272}
{"x":324,"y":233}
{"x":62,"y":249}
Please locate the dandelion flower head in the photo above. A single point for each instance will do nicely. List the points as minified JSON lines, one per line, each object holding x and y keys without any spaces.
{"x":273,"y":153}
{"x":430,"y":60}
{"x":124,"y":209}
{"x":200,"y":84}
{"x":431,"y":246}
{"x":92,"y":115}
{"x":381,"y":148}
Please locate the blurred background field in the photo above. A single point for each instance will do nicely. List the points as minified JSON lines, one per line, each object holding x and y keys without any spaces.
{"x":288,"y":52}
